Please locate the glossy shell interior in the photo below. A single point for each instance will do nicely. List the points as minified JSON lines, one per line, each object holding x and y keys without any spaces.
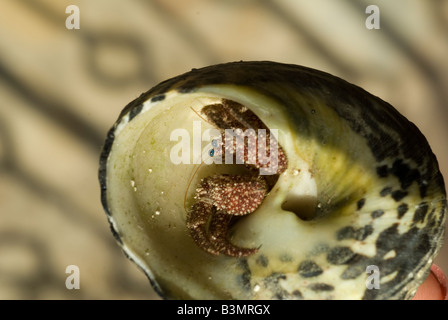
{"x":362,"y":188}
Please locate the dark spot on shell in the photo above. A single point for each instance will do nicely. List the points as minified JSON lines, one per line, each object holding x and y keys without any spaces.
{"x":281,"y":295}
{"x":341,"y":255}
{"x":309,"y":269}
{"x":360,"y":204}
{"x":382,"y":171}
{"x":385,"y":191}
{"x":386,"y":240}
{"x":355,"y":270}
{"x":397,"y":195}
{"x":244,"y":278}
{"x":364,"y":232}
{"x":346,"y":233}
{"x":137,"y":103}
{"x":420,"y":212}
{"x":402,"y":209}
{"x":319,"y":248}
{"x":186,"y":89}
{"x":431,"y":219}
{"x":377,"y":213}
{"x":297,"y":294}
{"x":135,"y":111}
{"x":262,"y":260}
{"x":404,"y":173}
{"x":272,"y":284}
{"x":275,"y":277}
{"x":321,"y":287}
{"x":370,"y":294}
{"x":159,"y":97}
{"x":285,"y":258}
{"x":423,"y":186}
{"x":352,"y":233}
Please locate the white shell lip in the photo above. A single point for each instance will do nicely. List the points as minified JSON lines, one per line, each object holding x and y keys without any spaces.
{"x":123,"y":119}
{"x":142,"y":104}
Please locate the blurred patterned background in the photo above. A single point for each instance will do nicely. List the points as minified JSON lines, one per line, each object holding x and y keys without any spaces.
{"x":62,"y":89}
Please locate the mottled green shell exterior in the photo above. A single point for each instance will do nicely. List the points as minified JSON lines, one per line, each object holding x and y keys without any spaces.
{"x":381,"y":197}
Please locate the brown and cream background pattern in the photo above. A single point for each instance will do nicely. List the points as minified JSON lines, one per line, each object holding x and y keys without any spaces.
{"x":61,"y":90}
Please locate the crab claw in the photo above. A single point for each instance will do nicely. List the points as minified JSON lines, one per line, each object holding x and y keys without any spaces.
{"x":219,"y":198}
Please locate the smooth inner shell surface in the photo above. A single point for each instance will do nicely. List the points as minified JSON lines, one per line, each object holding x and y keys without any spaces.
{"x":362,"y":188}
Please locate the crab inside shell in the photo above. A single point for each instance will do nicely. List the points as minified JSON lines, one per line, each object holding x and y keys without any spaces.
{"x":353,"y":195}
